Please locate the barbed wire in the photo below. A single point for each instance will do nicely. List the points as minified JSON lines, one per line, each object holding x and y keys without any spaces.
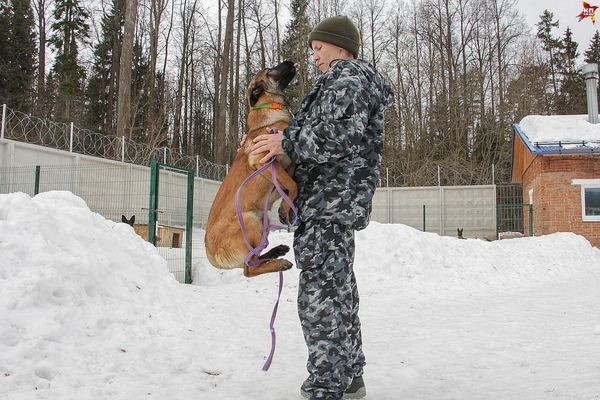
{"x":30,"y":129}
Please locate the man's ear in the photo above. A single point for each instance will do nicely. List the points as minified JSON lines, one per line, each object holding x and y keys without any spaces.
{"x":256,"y":92}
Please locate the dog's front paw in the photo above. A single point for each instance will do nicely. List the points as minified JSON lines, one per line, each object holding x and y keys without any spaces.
{"x":275,"y":252}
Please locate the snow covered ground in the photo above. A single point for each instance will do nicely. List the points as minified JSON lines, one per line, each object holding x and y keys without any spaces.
{"x":89,"y":311}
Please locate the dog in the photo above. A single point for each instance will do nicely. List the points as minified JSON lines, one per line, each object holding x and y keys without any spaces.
{"x":130,"y":221}
{"x":459,"y":235}
{"x":224,"y":241}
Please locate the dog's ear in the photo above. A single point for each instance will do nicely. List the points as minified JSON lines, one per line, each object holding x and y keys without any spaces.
{"x":130,"y":221}
{"x":256,"y":92}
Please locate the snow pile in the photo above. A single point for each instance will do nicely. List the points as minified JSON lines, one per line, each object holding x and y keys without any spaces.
{"x":564,"y":128}
{"x":431,"y":264}
{"x":74,"y":287}
{"x":89,"y":311}
{"x":405,"y":258}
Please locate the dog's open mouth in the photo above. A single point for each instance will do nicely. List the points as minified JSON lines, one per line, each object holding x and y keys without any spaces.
{"x":283,"y":73}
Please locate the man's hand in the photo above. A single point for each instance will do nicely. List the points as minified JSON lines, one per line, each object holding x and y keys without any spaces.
{"x":269,"y":142}
{"x":242,"y":143}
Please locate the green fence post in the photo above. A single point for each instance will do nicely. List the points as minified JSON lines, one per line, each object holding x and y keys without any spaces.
{"x":152,"y":210}
{"x":36,"y":180}
{"x":188,"y":226}
{"x":423,"y":217}
{"x":530,"y":219}
{"x":497,"y":221}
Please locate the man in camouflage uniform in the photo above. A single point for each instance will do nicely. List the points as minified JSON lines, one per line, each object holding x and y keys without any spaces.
{"x":336,"y":148}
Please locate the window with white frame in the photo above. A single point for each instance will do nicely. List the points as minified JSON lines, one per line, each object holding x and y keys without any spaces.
{"x":590,"y":198}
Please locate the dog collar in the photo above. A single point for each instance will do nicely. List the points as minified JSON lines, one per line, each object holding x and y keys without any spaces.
{"x":272,"y":106}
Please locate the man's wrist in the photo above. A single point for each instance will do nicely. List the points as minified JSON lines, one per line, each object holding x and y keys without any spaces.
{"x":288,"y":147}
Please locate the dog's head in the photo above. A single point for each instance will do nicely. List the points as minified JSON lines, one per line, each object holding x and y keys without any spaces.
{"x":270,"y":82}
{"x":130,"y":221}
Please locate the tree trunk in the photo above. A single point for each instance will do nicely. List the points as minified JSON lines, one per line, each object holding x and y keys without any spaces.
{"x":278,"y":55}
{"x":261,"y":40}
{"x":187,"y":25}
{"x":221,"y":122}
{"x":235,"y":84}
{"x":124,"y":100}
{"x":40,"y":8}
{"x":109,"y":123}
{"x":156,"y":11}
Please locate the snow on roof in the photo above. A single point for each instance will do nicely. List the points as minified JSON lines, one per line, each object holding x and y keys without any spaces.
{"x":559,"y":128}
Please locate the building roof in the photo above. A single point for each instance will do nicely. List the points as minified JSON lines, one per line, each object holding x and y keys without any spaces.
{"x":559,"y":134}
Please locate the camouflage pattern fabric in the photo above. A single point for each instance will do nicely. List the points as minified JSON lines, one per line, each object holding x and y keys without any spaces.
{"x":328,"y":307}
{"x":336,"y":148}
{"x":338,"y":142}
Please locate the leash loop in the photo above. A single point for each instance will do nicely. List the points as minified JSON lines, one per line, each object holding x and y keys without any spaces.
{"x":264,"y":242}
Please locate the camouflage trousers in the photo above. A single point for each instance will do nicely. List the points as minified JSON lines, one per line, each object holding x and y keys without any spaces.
{"x":328,"y":307}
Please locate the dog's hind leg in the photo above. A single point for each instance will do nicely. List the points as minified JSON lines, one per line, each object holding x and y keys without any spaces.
{"x":276,"y":265}
{"x":275,"y":252}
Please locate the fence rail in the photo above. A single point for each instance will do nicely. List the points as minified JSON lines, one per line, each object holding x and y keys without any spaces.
{"x":26,"y":128}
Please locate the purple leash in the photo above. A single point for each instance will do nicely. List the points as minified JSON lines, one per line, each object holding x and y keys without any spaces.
{"x":272,"y":325}
{"x":264,"y":242}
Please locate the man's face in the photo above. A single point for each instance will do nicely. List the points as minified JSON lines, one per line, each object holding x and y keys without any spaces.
{"x":324,"y":53}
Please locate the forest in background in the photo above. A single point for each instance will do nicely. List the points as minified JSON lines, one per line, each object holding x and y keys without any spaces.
{"x":173,"y":72}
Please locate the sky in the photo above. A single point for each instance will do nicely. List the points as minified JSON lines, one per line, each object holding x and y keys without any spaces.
{"x":89,"y":311}
{"x":565,"y":11}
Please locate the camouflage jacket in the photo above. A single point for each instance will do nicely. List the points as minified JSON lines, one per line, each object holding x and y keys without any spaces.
{"x":337,"y":144}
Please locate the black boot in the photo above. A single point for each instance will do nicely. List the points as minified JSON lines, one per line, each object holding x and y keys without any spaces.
{"x":356,"y":390}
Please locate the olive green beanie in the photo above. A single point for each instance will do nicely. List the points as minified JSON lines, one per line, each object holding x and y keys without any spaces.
{"x":338,"y":30}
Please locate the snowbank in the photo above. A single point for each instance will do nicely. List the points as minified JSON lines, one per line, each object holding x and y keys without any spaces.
{"x":88,"y":310}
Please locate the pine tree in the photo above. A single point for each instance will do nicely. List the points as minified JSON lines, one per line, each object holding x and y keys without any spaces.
{"x":69,"y":27}
{"x":295,"y":47}
{"x":17,"y":54}
{"x":139,"y":93}
{"x":592,"y":54}
{"x":568,"y":53}
{"x":550,"y":44}
{"x":101,"y":89}
{"x":5,"y":15}
{"x":572,"y":98}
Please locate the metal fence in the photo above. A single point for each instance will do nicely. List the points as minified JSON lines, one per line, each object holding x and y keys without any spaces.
{"x":480,"y":211}
{"x":122,"y":188}
{"x":115,"y":189}
{"x":22,"y":127}
{"x":439,"y":209}
{"x":514,"y":218}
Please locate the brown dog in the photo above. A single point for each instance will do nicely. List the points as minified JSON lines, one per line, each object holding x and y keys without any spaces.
{"x":225,"y":245}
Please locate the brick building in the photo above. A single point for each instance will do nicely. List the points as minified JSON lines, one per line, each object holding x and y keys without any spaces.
{"x":557,"y":161}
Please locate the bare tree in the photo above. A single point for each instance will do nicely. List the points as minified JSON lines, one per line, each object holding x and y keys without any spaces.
{"x":187,"y":12}
{"x":157,"y":9}
{"x":124,"y":99}
{"x":375,"y":14}
{"x":235,"y":98}
{"x":41,"y":8}
{"x":221,"y":126}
